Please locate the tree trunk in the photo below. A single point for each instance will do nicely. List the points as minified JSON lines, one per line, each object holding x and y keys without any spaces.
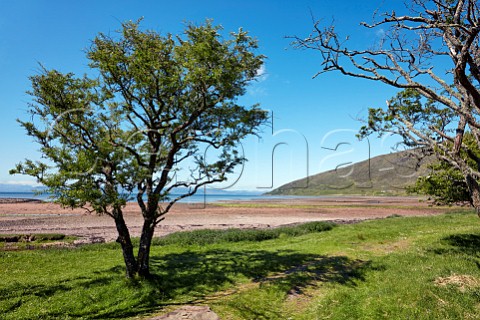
{"x":143,"y":258}
{"x":474,"y":189}
{"x":126,"y":243}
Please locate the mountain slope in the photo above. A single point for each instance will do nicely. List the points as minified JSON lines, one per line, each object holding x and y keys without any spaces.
{"x":385,"y":174}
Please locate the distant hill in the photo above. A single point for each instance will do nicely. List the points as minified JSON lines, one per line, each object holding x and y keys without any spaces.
{"x":382,"y":175}
{"x":8,"y":187}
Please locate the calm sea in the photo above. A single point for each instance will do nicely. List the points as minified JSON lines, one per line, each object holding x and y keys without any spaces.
{"x":197,"y":198}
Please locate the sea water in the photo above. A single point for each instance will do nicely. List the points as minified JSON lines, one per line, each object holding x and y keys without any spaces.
{"x":196,"y":198}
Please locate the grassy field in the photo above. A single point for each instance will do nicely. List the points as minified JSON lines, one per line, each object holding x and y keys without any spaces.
{"x":395,"y":268}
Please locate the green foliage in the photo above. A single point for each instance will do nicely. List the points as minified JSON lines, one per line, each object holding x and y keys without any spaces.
{"x":411,"y":116}
{"x":446,"y":185}
{"x":208,"y":236}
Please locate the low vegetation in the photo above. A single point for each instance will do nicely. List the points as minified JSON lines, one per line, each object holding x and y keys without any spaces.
{"x":203,"y":237}
{"x":31,"y":237}
{"x":33,"y":241}
{"x":396,"y":268}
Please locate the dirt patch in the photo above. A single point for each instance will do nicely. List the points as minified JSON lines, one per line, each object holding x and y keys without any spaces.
{"x":461,"y":282}
{"x":189,"y":313}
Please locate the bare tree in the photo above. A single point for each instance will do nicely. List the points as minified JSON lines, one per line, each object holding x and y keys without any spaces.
{"x":431,"y":52}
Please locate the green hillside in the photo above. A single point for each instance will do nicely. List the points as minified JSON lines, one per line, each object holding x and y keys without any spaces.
{"x":382,"y":175}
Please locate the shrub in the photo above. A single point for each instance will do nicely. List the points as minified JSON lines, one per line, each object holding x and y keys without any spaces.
{"x":207,"y":236}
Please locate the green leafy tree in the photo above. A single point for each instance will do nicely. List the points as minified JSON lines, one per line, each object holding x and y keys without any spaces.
{"x":430,"y":50}
{"x":156,"y":105}
{"x":445,"y":185}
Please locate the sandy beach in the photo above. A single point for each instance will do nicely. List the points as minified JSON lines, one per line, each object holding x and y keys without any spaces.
{"x":40,"y":217}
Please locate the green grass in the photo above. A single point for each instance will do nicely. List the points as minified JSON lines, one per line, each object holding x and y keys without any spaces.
{"x":397,"y":268}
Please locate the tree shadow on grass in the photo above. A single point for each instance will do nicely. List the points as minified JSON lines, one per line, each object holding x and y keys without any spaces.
{"x":187,"y":277}
{"x":293,"y":283}
{"x":468,"y":243}
{"x":211,"y":271}
{"x":191,"y":276}
{"x":334,"y":269}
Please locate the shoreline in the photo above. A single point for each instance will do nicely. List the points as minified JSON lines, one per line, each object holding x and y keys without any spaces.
{"x":46,"y":217}
{"x":19,"y":200}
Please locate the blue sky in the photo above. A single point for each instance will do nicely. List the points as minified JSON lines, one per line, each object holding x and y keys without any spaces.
{"x":310,"y":116}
